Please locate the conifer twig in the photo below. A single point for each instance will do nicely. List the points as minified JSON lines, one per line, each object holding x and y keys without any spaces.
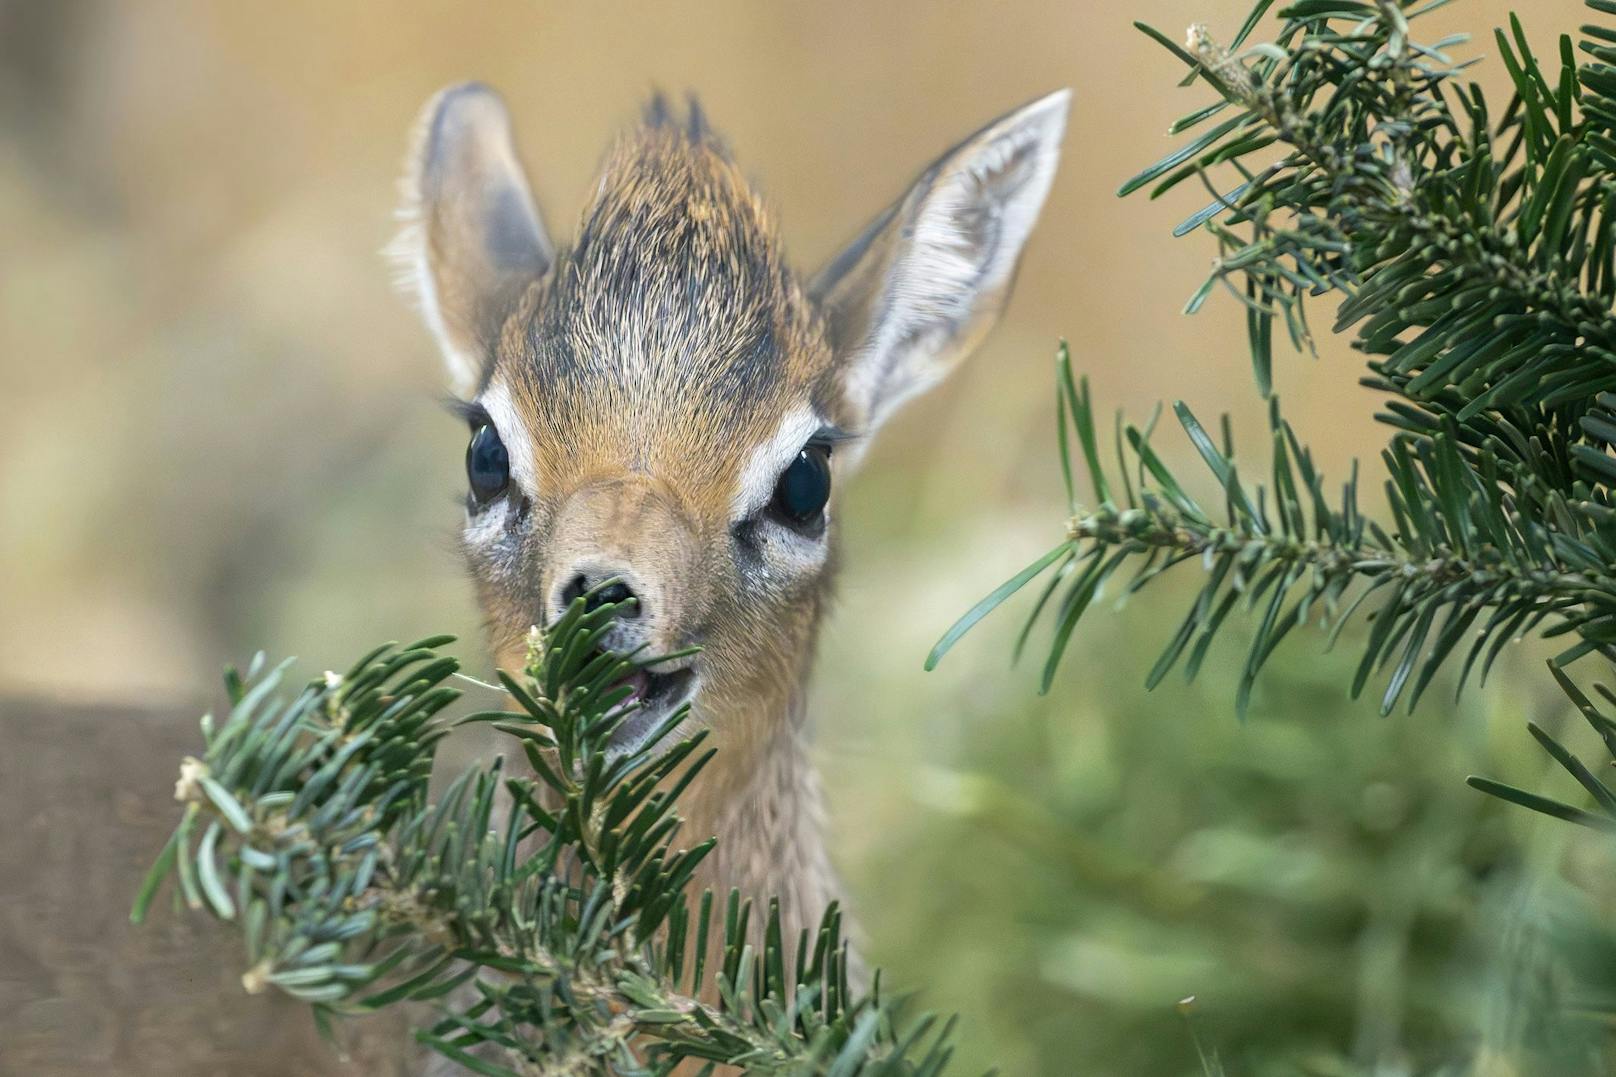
{"x":307,"y":824}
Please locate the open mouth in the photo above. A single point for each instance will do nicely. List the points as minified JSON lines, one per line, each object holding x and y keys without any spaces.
{"x":653,"y":695}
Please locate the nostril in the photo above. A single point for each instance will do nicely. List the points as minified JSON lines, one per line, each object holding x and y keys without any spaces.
{"x":574,"y":590}
{"x":614,"y":593}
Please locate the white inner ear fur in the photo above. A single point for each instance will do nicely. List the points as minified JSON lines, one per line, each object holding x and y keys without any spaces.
{"x":412,"y":272}
{"x":763,"y":467}
{"x":412,"y":275}
{"x":969,"y":230}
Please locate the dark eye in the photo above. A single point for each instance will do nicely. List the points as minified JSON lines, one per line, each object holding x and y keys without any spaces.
{"x":804,"y":487}
{"x":487,"y":465}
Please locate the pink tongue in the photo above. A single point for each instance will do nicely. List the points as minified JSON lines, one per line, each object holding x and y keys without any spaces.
{"x":638,"y":682}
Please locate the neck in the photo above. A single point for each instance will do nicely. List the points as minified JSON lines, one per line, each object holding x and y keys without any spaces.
{"x":763,"y":804}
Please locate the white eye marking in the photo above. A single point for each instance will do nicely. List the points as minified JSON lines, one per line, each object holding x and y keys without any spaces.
{"x":496,"y":401}
{"x":486,"y":525}
{"x":788,"y":555}
{"x":763,"y":467}
{"x":484,"y":528}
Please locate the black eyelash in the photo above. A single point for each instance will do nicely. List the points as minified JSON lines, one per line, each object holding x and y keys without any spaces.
{"x":831,"y":436}
{"x":472,"y":413}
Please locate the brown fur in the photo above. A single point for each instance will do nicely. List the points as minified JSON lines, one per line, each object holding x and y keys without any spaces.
{"x":648,"y":362}
{"x":663,"y":346}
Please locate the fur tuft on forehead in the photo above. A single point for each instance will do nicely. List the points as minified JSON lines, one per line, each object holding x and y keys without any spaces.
{"x":676,"y":291}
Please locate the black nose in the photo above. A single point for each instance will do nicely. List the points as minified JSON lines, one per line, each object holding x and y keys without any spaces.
{"x":614,"y":593}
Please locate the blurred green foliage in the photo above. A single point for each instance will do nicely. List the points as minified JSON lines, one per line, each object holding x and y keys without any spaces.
{"x":1319,"y":879}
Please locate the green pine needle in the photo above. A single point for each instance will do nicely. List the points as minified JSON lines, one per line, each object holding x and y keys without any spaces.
{"x":550,"y":932}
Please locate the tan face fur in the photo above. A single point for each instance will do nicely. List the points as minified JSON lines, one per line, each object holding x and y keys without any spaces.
{"x":652,"y":381}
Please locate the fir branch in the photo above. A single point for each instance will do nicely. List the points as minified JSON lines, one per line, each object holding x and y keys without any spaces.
{"x":1466,"y":562}
{"x":1603,"y":818}
{"x":1475,"y":256}
{"x":567,"y":914}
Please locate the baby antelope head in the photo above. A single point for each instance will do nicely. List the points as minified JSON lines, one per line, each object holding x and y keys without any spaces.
{"x":664,"y":411}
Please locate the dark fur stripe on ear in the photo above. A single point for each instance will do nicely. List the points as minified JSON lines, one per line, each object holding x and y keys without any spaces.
{"x":472,"y":240}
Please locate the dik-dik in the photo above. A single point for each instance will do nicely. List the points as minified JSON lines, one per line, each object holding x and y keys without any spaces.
{"x":666,"y":403}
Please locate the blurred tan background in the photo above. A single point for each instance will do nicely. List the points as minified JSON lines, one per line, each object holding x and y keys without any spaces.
{"x":221,"y":433}
{"x":223,"y":430}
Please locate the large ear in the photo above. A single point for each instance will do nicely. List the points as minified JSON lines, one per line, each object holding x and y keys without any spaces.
{"x":909,"y":298}
{"x":474,"y":241}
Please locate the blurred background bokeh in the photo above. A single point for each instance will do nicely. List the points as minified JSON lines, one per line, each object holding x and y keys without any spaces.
{"x":221,"y":432}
